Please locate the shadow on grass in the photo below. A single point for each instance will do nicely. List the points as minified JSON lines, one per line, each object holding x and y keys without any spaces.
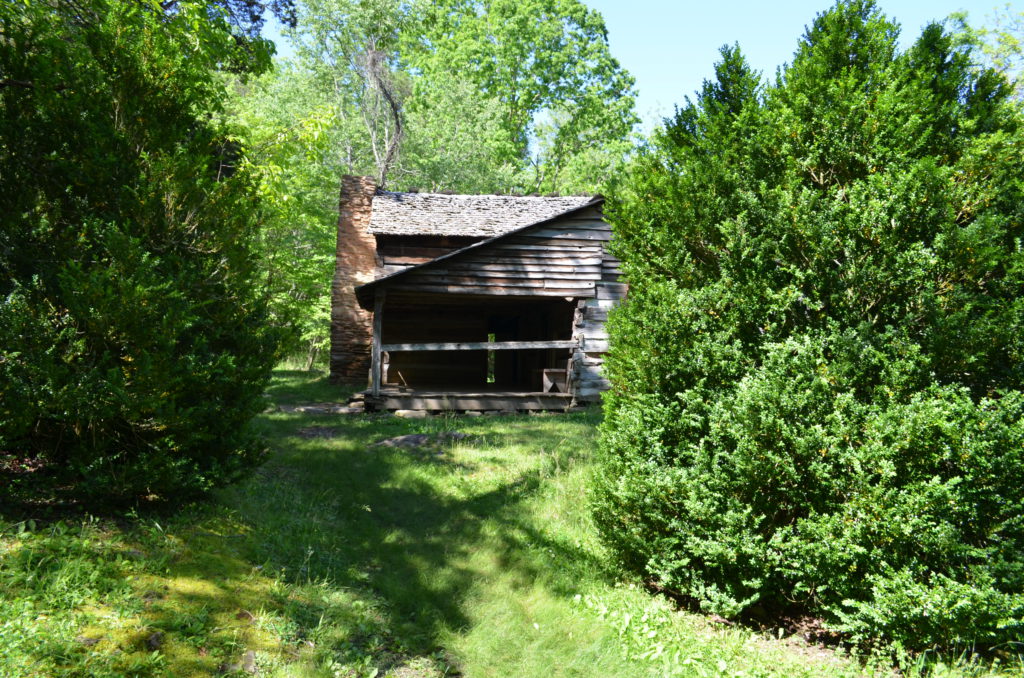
{"x":292,"y":387}
{"x":335,"y":549}
{"x":414,"y":533}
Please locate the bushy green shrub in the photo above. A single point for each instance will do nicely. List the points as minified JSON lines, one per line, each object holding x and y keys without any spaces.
{"x":817,"y":376}
{"x":133,"y":351}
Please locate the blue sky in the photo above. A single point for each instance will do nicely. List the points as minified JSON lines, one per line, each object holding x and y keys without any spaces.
{"x":670,"y":46}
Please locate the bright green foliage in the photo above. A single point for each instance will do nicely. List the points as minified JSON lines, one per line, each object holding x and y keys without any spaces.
{"x":1000,"y":42}
{"x":134,"y":340}
{"x":495,"y":97}
{"x":541,"y":61}
{"x":292,"y":132}
{"x":817,"y":376}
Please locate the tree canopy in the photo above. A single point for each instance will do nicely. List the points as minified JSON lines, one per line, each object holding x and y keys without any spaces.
{"x":133,"y":330}
{"x":817,"y":378}
{"x":471,"y":97}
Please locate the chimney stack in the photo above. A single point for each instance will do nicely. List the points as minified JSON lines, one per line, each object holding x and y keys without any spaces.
{"x":355,"y":262}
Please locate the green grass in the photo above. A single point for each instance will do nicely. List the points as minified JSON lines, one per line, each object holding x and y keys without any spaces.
{"x":340,"y":558}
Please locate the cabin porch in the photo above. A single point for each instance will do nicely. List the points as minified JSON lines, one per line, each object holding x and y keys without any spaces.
{"x":471,"y":352}
{"x":392,"y":399}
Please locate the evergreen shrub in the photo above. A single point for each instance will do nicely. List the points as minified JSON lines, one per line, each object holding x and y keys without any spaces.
{"x":817,"y":377}
{"x":133,"y":340}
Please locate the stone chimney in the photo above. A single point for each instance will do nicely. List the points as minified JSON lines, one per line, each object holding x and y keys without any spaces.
{"x":355,"y":262}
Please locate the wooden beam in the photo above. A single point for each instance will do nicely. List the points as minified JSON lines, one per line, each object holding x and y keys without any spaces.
{"x":470,"y":401}
{"x":375,"y":348}
{"x":422,"y":287}
{"x":478,"y":346}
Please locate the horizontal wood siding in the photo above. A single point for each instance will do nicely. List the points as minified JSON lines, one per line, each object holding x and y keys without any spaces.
{"x":567,"y":257}
{"x":396,"y":253}
{"x":561,"y":258}
{"x":587,"y":379}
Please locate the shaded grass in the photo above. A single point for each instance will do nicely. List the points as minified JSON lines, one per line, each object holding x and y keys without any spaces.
{"x":340,"y":558}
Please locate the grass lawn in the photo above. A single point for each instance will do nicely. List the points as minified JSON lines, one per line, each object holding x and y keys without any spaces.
{"x":469,"y":557}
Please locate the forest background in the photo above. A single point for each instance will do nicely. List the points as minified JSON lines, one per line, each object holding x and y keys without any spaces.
{"x":480,"y":111}
{"x":168,"y":223}
{"x":495,"y":96}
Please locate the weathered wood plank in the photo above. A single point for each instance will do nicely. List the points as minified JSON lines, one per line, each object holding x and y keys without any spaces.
{"x":594,"y":221}
{"x":404,"y":259}
{"x":531,"y":245}
{"x":612,"y":291}
{"x":470,"y":401}
{"x":586,"y":373}
{"x":561,"y":260}
{"x":466,"y":281}
{"x":507,"y":284}
{"x":479,"y":346}
{"x":570,"y":284}
{"x":375,"y":349}
{"x":600,"y":384}
{"x":514,"y":268}
{"x":491,"y":291}
{"x":534,"y":256}
{"x":594,"y":345}
{"x":416,"y":252}
{"x":565,"y":244}
{"x":535,"y":277}
{"x":388,"y":270}
{"x":585,"y":359}
{"x":556,"y":233}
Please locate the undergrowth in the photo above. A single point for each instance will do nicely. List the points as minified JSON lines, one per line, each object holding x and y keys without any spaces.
{"x":470,"y":557}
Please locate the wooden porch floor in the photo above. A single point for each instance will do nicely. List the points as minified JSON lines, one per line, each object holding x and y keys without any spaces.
{"x":454,"y":400}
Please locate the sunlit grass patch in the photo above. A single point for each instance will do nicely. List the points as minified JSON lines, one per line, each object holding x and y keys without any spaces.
{"x":473,"y":556}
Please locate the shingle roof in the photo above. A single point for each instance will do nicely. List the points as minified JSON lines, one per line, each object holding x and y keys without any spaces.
{"x":468,"y":215}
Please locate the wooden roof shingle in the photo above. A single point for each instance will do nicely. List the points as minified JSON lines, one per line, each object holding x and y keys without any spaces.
{"x":463,"y":215}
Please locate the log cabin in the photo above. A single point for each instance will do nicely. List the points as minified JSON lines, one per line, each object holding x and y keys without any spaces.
{"x":471,"y":302}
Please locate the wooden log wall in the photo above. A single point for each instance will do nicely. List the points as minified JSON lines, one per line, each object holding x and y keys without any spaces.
{"x":566,"y":258}
{"x":588,"y":380}
{"x":398,"y":252}
{"x":563,"y":258}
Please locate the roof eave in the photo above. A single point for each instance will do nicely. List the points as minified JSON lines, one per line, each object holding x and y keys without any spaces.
{"x":366,"y":292}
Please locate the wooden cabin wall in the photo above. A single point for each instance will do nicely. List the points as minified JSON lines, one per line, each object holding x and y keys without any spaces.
{"x":398,"y":252}
{"x":566,"y":259}
{"x":587,"y":379}
{"x":562,"y":258}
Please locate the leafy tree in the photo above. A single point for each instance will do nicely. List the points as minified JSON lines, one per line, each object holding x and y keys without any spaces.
{"x":516,"y":71}
{"x":537,"y":59}
{"x":134,"y":337}
{"x":817,"y":376}
{"x":1000,"y":44}
{"x":246,"y":17}
{"x":324,"y":114}
{"x":299,"y":143}
{"x":351,"y":46}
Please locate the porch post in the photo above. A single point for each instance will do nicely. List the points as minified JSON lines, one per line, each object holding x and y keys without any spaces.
{"x":378,"y":322}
